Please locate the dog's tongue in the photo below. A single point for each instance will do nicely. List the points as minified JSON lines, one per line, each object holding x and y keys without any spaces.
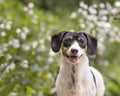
{"x":72,"y":58}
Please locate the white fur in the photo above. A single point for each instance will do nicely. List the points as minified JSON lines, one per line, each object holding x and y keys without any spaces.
{"x":84,"y":84}
{"x":75,"y":45}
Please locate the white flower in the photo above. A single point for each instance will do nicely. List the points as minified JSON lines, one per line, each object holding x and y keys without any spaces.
{"x":104,"y":24}
{"x":13,"y":94}
{"x":72,"y":30}
{"x":31,"y":5}
{"x":48,"y":37}
{"x":15,"y":43}
{"x":104,"y":62}
{"x":114,"y":11}
{"x":24,"y":64}
{"x":112,"y":39}
{"x":85,"y":6}
{"x":29,"y":9}
{"x":3,"y":47}
{"x":117,"y":3}
{"x":102,"y":5}
{"x":82,"y":4}
{"x":117,"y":39}
{"x":23,"y":36}
{"x":92,"y":10}
{"x":2,"y":34}
{"x":82,"y":25}
{"x":108,"y":6}
{"x":51,"y":53}
{"x":34,"y":44}
{"x":115,"y":29}
{"x":91,"y":18}
{"x":49,"y":75}
{"x":42,"y":41}
{"x":81,"y":20}
{"x":84,"y":13}
{"x":2,"y":26}
{"x":104,"y":18}
{"x":94,"y":5}
{"x":26,"y":30}
{"x":73,"y":15}
{"x":25,"y":47}
{"x":80,"y":10}
{"x":30,"y":12}
{"x":3,"y":65}
{"x":8,"y":25}
{"x":101,"y":48}
{"x":50,"y":60}
{"x":42,"y":48}
{"x":34,"y":19}
{"x":8,"y":56}
{"x":11,"y":67}
{"x":22,"y":32}
{"x":1,"y":53}
{"x":53,"y":90}
{"x":103,"y":12}
{"x":107,"y":25}
{"x":18,"y":30}
{"x":91,"y":25}
{"x":25,"y":9}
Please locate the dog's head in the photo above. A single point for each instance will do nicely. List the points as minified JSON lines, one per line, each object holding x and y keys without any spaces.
{"x":74,"y":45}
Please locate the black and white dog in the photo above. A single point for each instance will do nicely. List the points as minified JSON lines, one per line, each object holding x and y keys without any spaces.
{"x":76,"y":77}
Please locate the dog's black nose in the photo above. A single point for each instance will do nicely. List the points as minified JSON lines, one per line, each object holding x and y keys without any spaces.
{"x":74,"y":51}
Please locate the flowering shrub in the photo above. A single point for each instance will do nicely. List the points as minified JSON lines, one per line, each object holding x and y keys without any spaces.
{"x":24,"y":50}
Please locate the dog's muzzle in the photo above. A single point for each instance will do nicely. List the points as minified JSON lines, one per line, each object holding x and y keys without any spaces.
{"x":73,"y":57}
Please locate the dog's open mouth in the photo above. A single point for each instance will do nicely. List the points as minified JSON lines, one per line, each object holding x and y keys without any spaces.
{"x":73,"y":58}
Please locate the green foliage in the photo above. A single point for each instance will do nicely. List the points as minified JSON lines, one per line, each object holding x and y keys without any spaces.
{"x":28,"y":67}
{"x":24,"y":46}
{"x":53,"y":4}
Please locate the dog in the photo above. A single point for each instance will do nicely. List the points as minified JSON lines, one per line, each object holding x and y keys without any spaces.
{"x":76,"y":77}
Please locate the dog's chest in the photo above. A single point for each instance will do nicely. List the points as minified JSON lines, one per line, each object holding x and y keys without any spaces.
{"x":69,"y":87}
{"x":69,"y":84}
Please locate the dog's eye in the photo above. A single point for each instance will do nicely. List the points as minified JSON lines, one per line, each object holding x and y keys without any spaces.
{"x":67,"y":42}
{"x":82,"y":42}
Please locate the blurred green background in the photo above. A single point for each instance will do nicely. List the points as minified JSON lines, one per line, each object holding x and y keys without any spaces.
{"x":28,"y":67}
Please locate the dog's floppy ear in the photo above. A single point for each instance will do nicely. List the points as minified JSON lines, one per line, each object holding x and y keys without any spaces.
{"x":56,"y":41}
{"x":91,"y":44}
